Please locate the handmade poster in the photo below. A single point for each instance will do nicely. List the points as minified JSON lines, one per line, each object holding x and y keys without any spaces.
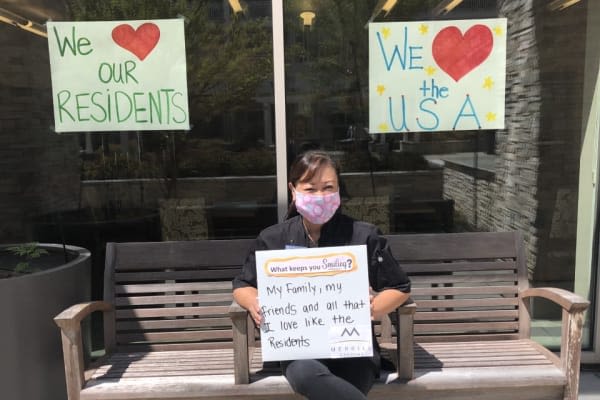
{"x":437,"y":75}
{"x":314,"y":302}
{"x":118,"y":75}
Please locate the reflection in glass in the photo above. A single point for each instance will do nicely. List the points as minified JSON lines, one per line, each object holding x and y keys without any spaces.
{"x":524,"y":177}
{"x":218,"y":179}
{"x":228,"y":46}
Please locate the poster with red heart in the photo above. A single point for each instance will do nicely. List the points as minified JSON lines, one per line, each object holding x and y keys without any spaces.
{"x":437,"y":75}
{"x":118,"y":75}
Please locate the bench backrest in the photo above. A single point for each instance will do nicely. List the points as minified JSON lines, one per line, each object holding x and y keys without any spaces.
{"x":465,"y":285}
{"x":175,"y":295}
{"x":171,"y":295}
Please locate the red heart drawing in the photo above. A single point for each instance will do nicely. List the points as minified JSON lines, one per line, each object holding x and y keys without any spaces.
{"x":140,"y":41}
{"x":457,"y":54}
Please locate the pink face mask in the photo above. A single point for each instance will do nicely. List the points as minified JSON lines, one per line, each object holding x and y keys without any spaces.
{"x":317,"y":209}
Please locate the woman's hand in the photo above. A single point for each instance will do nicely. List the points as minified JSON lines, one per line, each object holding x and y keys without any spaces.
{"x":372,"y":295}
{"x":247,"y":297}
{"x":254,"y":310}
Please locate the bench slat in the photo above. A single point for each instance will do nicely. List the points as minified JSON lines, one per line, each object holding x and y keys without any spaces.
{"x":463,"y":290}
{"x":173,"y":323}
{"x":173,"y":287}
{"x":192,"y":274}
{"x":457,"y":266}
{"x":185,"y":254}
{"x":159,"y":373}
{"x":163,"y":367}
{"x":467,"y":337}
{"x":457,"y":246}
{"x":483,"y":352}
{"x":472,"y":278}
{"x":174,"y":299}
{"x":468,"y":356}
{"x":499,"y":303}
{"x":495,"y":345}
{"x":174,"y":336}
{"x":466,"y":315}
{"x":483,"y":363}
{"x":150,"y":347}
{"x":466,"y":327}
{"x":171,"y":312}
{"x":171,"y":355}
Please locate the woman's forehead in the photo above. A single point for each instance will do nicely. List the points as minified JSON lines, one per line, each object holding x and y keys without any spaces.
{"x":325,"y":173}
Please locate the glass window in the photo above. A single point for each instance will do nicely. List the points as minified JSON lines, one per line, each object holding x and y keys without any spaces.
{"x":218,"y":180}
{"x":524,"y":177}
{"x":215,"y":181}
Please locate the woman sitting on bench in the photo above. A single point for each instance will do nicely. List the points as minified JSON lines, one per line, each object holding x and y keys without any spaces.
{"x":314,"y":220}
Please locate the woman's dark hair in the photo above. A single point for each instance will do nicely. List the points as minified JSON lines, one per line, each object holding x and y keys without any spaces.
{"x":305,"y":166}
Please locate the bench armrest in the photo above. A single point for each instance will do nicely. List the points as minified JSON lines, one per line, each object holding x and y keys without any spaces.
{"x":241,"y":357}
{"x":69,"y":322}
{"x":573,"y":307}
{"x":400,"y":347}
{"x":76,"y":313}
{"x":569,"y":301}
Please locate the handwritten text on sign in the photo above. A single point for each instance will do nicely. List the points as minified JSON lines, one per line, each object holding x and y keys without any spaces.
{"x":118,"y":75}
{"x":437,"y":75}
{"x":315,"y":303}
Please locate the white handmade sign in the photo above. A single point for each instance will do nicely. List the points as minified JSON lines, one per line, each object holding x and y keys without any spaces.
{"x":314,"y":303}
{"x":118,"y":75}
{"x":437,"y":75}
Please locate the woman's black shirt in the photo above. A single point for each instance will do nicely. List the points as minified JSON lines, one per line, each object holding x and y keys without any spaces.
{"x":341,"y":230}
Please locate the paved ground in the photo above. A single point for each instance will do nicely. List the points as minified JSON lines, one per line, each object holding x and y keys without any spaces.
{"x":589,"y":385}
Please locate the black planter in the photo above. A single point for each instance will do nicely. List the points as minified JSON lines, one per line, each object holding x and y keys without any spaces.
{"x":31,"y":358}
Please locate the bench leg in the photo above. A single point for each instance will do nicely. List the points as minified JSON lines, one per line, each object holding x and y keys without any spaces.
{"x":570,"y":351}
{"x":240,"y":350}
{"x":406,"y":355}
{"x":73,"y":358}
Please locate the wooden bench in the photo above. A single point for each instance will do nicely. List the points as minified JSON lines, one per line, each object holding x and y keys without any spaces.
{"x":168,"y":335}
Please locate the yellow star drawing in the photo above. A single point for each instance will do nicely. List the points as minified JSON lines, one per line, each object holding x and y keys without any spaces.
{"x":430,"y":70}
{"x":490,"y":116}
{"x":423,"y":29}
{"x":383,"y":127}
{"x":488,"y":83}
{"x":385,"y":32}
{"x":380,"y":89}
{"x":498,"y":30}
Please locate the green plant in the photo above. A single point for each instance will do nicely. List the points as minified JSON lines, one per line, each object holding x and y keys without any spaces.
{"x":116,"y":165}
{"x":28,"y":251}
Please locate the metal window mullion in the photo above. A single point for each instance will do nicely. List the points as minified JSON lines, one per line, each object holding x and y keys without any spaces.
{"x":279,"y":99}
